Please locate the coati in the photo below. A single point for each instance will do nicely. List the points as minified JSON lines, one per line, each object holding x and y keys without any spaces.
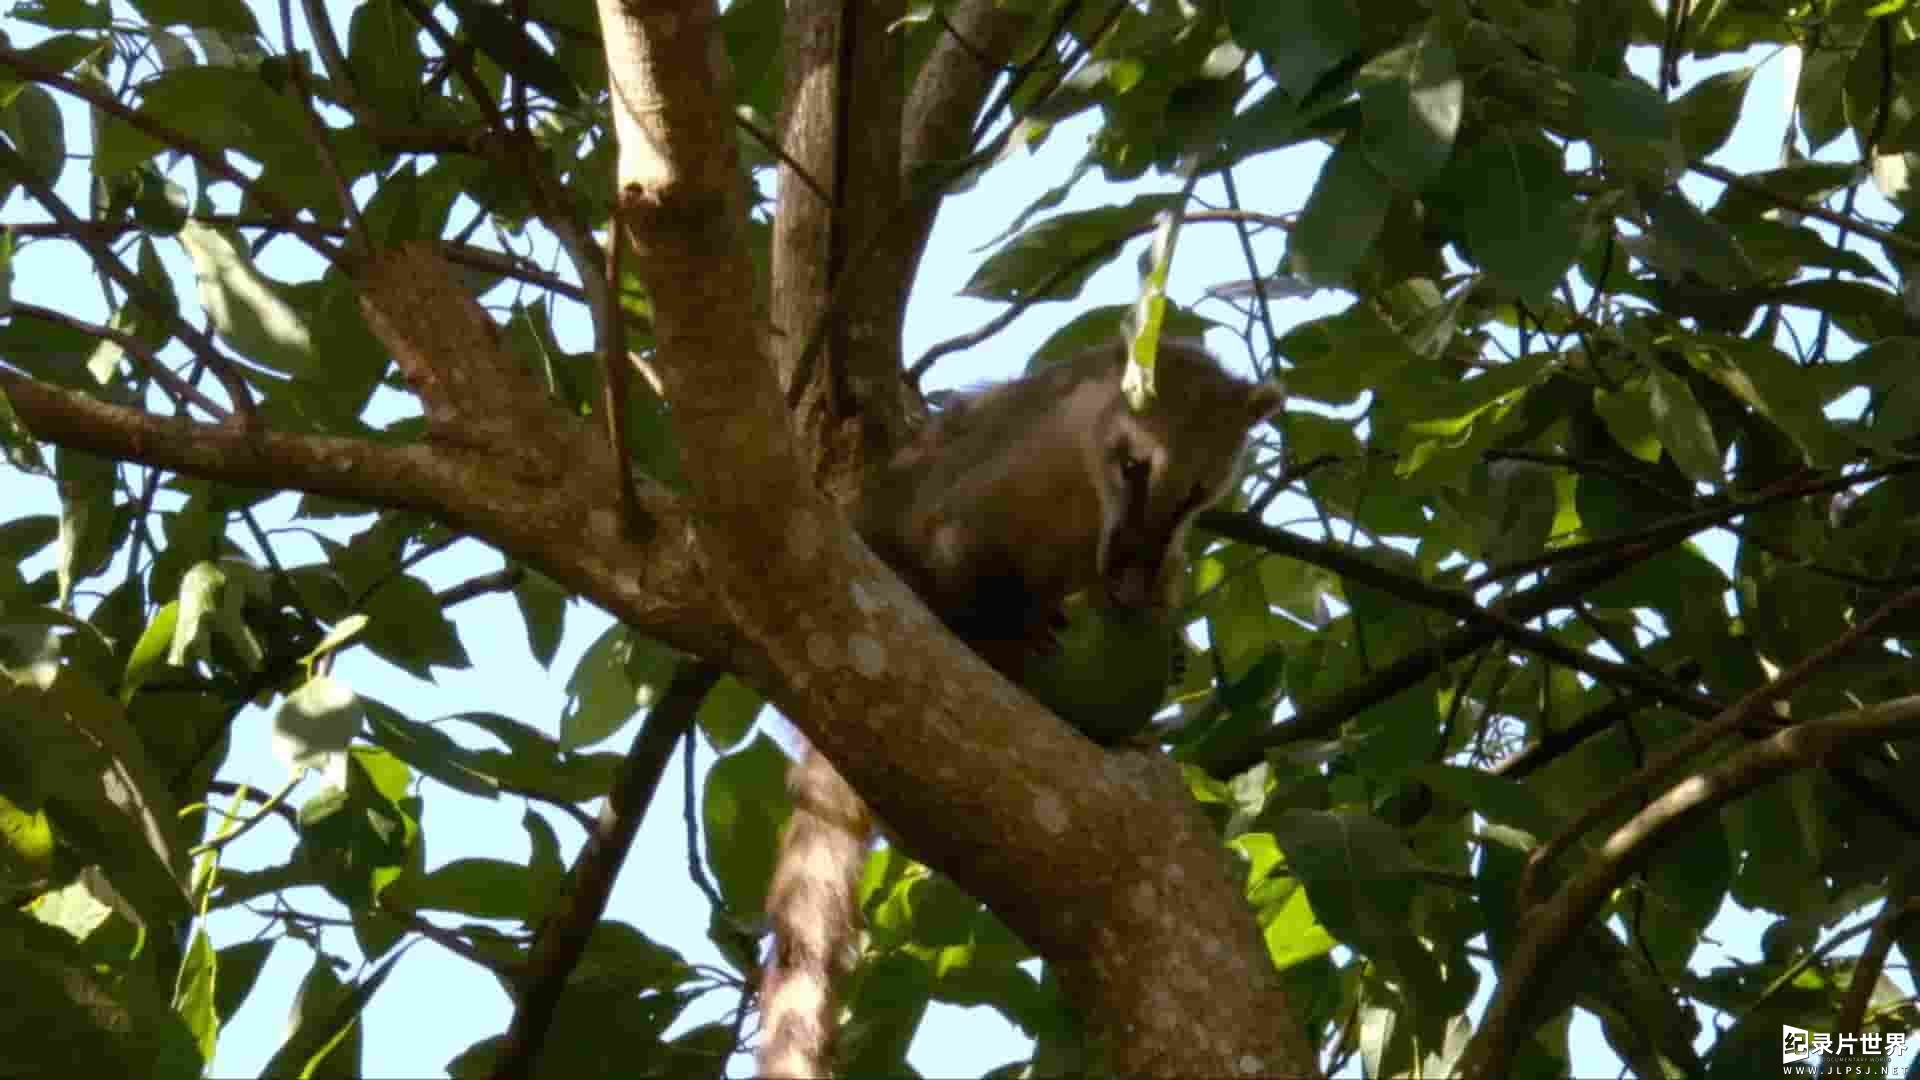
{"x":1011,"y":500}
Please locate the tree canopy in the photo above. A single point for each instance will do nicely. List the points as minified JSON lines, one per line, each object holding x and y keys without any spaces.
{"x":1571,"y":602}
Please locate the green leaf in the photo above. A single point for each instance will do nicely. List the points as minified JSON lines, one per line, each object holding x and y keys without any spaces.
{"x":408,"y":207}
{"x":67,"y":14}
{"x":546,"y":872}
{"x":1602,"y":32}
{"x":619,"y":953}
{"x":31,"y":122}
{"x":479,"y":888}
{"x":728,"y":712}
{"x":1689,"y":883}
{"x":577,"y":1044}
{"x":66,"y":1017}
{"x":26,"y":846}
{"x":508,"y":44}
{"x":1492,"y":797}
{"x":408,"y":629}
{"x":241,"y":108}
{"x":19,"y":448}
{"x":383,"y":46}
{"x":151,"y":652}
{"x":323,"y":1035}
{"x":887,"y":1000}
{"x":1688,"y":241}
{"x":249,"y":311}
{"x":1684,"y":428}
{"x":1780,"y":251}
{"x":1628,"y":415}
{"x":1518,"y":211}
{"x":1101,"y":326}
{"x":744,"y":807}
{"x":202,"y":592}
{"x":1358,"y":873}
{"x":1448,"y":425}
{"x":1239,"y":619}
{"x":1342,"y":217}
{"x":1411,"y":100}
{"x":543,"y":606}
{"x":1053,"y":259}
{"x":752,"y":31}
{"x":63,"y":53}
{"x":1802,"y":182}
{"x":231,"y":16}
{"x":1621,"y":108}
{"x":1299,"y":40}
{"x":1340,"y":357}
{"x":361,"y":838}
{"x":1522,"y":503}
{"x":88,"y":770}
{"x":336,"y":638}
{"x":603,"y":692}
{"x":86,"y":515}
{"x":1287,"y":923}
{"x":430,"y":750}
{"x":1769,"y":381}
{"x":236,"y":970}
{"x":533,"y":764}
{"x":1705,"y":116}
{"x":193,"y":992}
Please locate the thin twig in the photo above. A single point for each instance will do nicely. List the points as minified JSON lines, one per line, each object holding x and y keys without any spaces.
{"x":1901,"y":244}
{"x":564,"y":932}
{"x":502,"y":580}
{"x":109,"y":264}
{"x":460,"y":61}
{"x":182,"y":392}
{"x":207,"y":157}
{"x":317,"y":135}
{"x":695,"y":869}
{"x":1733,"y":718}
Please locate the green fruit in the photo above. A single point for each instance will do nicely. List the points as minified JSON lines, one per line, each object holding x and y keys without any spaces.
{"x":1111,"y":672}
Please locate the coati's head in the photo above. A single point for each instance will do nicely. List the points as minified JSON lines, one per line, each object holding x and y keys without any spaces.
{"x":1161,"y":466}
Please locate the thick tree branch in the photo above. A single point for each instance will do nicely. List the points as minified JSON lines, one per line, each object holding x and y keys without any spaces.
{"x":945,"y":100}
{"x":654,"y":586}
{"x":1100,"y":861}
{"x":838,"y":289}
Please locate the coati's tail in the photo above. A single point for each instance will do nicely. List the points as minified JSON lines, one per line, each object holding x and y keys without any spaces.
{"x":815,"y":912}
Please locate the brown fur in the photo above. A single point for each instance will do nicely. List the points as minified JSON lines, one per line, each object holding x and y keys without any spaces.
{"x":1010,"y":501}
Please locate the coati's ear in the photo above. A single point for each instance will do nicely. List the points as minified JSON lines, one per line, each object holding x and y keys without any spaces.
{"x":1264,"y":398}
